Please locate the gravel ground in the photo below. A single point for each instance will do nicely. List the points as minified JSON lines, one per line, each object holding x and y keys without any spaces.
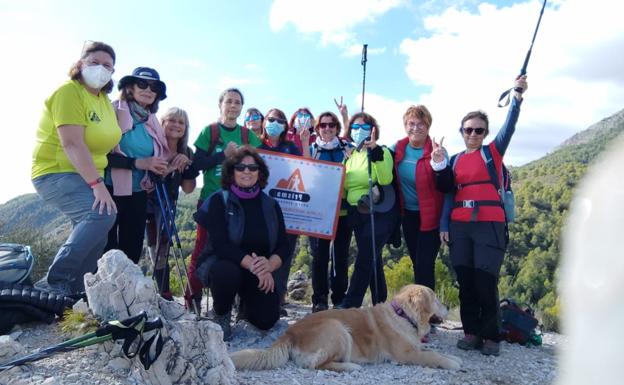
{"x":516,"y":364}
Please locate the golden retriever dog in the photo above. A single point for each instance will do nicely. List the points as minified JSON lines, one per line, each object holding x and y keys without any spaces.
{"x":340,"y":339}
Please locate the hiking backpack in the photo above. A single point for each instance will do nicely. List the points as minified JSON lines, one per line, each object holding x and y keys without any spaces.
{"x":518,"y":324}
{"x":215,"y":136}
{"x":505,"y":193}
{"x":16,"y":263}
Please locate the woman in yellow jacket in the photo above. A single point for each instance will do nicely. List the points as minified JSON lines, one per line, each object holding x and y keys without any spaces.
{"x":364,"y":131}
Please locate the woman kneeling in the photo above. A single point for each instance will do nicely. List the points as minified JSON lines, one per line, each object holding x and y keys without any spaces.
{"x":247,"y":242}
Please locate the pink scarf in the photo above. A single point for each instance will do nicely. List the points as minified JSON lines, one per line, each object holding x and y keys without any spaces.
{"x":122,"y":178}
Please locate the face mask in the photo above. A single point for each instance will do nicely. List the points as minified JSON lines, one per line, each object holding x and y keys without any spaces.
{"x":302,"y":122}
{"x":96,"y":76}
{"x":360,"y":135}
{"x":274,"y":128}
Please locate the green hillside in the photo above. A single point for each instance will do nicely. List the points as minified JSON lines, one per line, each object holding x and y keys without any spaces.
{"x":543,"y":189}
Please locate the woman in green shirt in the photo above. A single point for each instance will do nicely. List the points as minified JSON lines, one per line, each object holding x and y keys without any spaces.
{"x":76,"y":131}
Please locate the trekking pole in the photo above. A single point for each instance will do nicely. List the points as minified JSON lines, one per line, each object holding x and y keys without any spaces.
{"x":129,"y":330}
{"x":371,"y":210}
{"x":523,"y":70}
{"x":170,"y":227}
{"x":363,"y":62}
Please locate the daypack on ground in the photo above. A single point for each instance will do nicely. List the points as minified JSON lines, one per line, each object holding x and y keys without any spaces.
{"x":518,"y":324}
{"x":16,"y":262}
{"x":506,"y":194}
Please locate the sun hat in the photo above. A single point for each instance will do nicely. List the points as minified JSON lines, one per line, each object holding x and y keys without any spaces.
{"x":144,"y":73}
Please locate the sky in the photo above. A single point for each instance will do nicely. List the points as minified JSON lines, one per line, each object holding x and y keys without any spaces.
{"x":453,"y":56}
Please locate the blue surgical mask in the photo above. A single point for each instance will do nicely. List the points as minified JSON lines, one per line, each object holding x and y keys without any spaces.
{"x":274,"y":128}
{"x":359,"y":135}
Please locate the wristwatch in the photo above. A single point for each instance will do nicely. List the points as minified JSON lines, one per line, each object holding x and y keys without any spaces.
{"x":95,"y":182}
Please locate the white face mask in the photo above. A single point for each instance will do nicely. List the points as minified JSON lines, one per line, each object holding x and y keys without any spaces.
{"x":96,"y":76}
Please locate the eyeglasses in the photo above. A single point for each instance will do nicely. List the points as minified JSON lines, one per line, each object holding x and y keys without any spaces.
{"x":242,"y":166}
{"x":327,"y":125}
{"x":478,"y":131}
{"x":364,"y":126}
{"x":143,"y":84}
{"x":419,"y":125}
{"x":280,"y":121}
{"x":253,"y":117}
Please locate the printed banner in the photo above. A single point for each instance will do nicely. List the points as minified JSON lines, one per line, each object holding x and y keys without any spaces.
{"x":308,"y":191}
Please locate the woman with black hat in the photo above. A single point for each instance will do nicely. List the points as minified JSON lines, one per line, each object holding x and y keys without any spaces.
{"x":142,"y":149}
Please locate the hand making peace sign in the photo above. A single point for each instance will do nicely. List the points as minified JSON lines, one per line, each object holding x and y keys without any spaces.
{"x":439,"y":152}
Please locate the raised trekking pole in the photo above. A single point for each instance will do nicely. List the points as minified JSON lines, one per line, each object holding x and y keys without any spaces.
{"x":371,"y":208}
{"x":523,"y":70}
{"x":130,"y":330}
{"x":363,"y":62}
{"x":168,"y":214}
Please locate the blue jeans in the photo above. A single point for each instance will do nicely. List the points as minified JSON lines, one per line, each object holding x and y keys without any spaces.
{"x":69,"y":193}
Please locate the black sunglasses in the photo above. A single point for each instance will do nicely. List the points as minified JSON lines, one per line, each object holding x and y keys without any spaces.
{"x":478,"y":131}
{"x":327,"y":125}
{"x":242,"y":166}
{"x":143,"y":84}
{"x":280,"y":121}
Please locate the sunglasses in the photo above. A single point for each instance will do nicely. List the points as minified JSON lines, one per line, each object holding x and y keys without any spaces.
{"x":253,"y":117}
{"x":143,"y":84}
{"x":280,"y":121}
{"x":242,"y":166}
{"x":364,"y":126}
{"x":327,"y":125}
{"x":303,"y":115}
{"x":478,"y":131}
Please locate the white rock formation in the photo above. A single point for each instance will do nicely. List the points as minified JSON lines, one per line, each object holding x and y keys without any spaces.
{"x":193,"y":352}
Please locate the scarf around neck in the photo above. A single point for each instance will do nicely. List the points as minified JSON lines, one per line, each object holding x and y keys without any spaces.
{"x":138,"y":113}
{"x":332,"y":144}
{"x":245,"y":192}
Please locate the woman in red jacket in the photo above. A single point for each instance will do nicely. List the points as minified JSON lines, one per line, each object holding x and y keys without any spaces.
{"x":421,"y":203}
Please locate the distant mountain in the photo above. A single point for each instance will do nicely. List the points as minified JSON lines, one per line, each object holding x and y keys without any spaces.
{"x":29,"y":213}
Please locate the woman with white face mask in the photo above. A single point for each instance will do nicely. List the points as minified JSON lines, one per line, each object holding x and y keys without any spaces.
{"x":301,"y":130}
{"x":78,"y":128}
{"x":274,"y":138}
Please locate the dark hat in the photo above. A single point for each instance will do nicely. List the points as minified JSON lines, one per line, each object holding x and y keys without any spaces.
{"x":144,"y":73}
{"x":384,"y":199}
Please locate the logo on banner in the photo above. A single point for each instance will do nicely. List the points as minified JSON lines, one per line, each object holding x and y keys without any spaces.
{"x":291,"y":189}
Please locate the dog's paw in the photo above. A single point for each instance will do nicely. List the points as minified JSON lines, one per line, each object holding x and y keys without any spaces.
{"x":454,"y":363}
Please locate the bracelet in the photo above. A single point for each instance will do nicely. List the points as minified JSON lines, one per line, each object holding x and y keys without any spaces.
{"x":96,"y":182}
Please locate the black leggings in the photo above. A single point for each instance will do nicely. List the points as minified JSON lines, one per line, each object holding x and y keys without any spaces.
{"x":129,"y":229}
{"x":423,"y":248}
{"x":228,"y":279}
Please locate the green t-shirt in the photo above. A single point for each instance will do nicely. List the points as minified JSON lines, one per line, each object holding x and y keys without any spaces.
{"x":212,"y":177}
{"x":72,"y":104}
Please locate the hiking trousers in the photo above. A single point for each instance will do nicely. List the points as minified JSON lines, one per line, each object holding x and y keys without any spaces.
{"x":69,"y":193}
{"x":423,"y":248}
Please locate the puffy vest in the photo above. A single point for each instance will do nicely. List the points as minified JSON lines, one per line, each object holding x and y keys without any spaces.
{"x":430,"y":199}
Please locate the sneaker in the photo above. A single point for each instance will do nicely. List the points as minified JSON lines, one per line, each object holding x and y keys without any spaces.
{"x":490,"y":348}
{"x":319,"y":307}
{"x":470,"y":342}
{"x":224,"y":321}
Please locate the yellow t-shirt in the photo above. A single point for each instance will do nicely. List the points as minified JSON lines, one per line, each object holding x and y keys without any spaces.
{"x":72,"y":104}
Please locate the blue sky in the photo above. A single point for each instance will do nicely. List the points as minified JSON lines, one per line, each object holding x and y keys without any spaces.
{"x":452,"y":56}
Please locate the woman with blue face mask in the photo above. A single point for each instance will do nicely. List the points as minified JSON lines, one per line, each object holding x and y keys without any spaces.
{"x":364,"y":132}
{"x":274,"y":130}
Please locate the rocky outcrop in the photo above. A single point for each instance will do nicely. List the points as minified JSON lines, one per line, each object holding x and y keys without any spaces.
{"x":193,"y":350}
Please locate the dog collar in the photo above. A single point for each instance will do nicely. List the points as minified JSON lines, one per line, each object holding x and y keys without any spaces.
{"x":399,"y":311}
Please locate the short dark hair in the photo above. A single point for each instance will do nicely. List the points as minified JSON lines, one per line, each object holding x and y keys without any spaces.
{"x":222,"y":96}
{"x":334,"y":119}
{"x":368,"y":118}
{"x":89,"y":48}
{"x":126,"y":95}
{"x":479,"y":114}
{"x":227,"y":171}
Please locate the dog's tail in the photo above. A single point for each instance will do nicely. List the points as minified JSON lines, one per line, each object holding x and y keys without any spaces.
{"x":256,"y":359}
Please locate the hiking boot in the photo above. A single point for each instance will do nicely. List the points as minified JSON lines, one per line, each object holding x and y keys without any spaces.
{"x":319,"y":307}
{"x":470,"y":342}
{"x":490,"y":348}
{"x":224,"y":321}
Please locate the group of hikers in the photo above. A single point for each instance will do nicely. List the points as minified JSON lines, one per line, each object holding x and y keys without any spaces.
{"x":98,"y":162}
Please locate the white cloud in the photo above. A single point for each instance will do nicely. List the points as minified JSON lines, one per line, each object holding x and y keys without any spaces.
{"x":332,"y":20}
{"x":575,"y":76}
